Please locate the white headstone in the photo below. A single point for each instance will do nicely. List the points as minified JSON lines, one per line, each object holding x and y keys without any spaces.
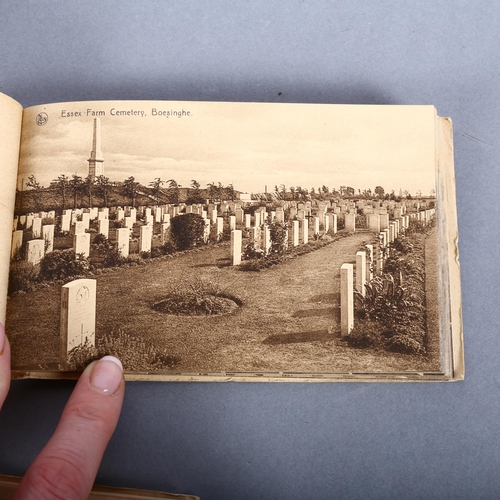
{"x":37,"y":228}
{"x":79,"y":227}
{"x":66,"y":223}
{"x":350,"y":222}
{"x":145,"y":238}
{"x":17,"y":244}
{"x":346,"y":299}
{"x":104,"y":227}
{"x":165,"y":231}
{"x":361,"y":272}
{"x":374,"y":222}
{"x":295,"y":233}
{"x":304,"y":231}
{"x":81,"y":244}
{"x":48,"y":236}
{"x":122,"y":240}
{"x":369,"y":262}
{"x":220,"y":227}
{"x":35,"y":251}
{"x":78,"y":315}
{"x":236,"y":243}
{"x":267,"y":239}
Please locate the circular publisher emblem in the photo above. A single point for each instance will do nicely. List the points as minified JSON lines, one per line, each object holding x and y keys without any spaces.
{"x":42,"y":118}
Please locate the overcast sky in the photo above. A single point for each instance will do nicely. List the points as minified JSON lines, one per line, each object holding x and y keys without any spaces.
{"x":249,"y":145}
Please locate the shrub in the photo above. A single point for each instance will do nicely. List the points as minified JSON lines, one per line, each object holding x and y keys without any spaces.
{"x":383,"y":297}
{"x":364,"y":334}
{"x":135,"y":354}
{"x":82,"y":355}
{"x":23,"y":275}
{"x":250,"y":252}
{"x":62,"y":264}
{"x":187,"y":230}
{"x":279,"y":237}
{"x":108,"y":253}
{"x":198,"y":298}
{"x":405,"y":344}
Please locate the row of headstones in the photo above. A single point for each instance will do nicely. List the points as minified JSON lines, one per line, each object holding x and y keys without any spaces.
{"x":299,"y":235}
{"x":380,"y":222}
{"x":366,"y":263}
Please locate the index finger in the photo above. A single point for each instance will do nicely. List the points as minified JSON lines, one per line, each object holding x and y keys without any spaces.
{"x":67,"y":466}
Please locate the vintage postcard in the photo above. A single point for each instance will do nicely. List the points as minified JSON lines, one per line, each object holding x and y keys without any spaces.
{"x":236,"y":241}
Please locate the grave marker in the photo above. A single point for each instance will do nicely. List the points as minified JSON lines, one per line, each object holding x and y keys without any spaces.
{"x":220,"y":228}
{"x":236,"y":244}
{"x":346,"y":299}
{"x":350,"y":222}
{"x":81,"y":244}
{"x":37,"y":227}
{"x":361,"y":272}
{"x":35,"y":251}
{"x":104,"y":227}
{"x":78,"y":315}
{"x":122,"y":240}
{"x":145,"y":238}
{"x":48,"y":237}
{"x":295,"y":233}
{"x":17,"y":244}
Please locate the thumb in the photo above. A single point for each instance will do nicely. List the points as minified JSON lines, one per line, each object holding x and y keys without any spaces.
{"x":4,"y":365}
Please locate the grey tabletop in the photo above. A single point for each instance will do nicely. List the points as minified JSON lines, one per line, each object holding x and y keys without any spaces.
{"x":250,"y":441}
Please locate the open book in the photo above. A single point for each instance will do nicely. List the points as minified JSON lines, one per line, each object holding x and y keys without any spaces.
{"x":230,"y":241}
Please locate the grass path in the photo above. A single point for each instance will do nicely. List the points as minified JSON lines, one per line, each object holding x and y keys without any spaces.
{"x":289,"y":320}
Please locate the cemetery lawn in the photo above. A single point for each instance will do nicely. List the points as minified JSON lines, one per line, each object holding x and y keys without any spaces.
{"x":289,"y":319}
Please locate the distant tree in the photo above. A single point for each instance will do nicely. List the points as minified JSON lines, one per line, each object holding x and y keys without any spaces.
{"x":173,"y":191}
{"x":130,"y":188}
{"x":36,"y":187}
{"x":156,"y":187}
{"x":230,"y":192}
{"x":75,"y":186}
{"x":195,"y":196}
{"x":62,"y":186}
{"x":349,"y":191}
{"x":379,"y":191}
{"x":88,"y":187}
{"x":103,"y":187}
{"x":214,"y":191}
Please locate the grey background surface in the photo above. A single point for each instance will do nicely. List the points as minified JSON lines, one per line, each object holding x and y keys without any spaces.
{"x":288,"y":441}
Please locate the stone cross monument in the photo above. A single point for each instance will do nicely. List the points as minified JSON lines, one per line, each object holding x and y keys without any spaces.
{"x":96,"y":160}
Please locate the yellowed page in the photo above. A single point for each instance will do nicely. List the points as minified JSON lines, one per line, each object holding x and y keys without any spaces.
{"x":11,"y":113}
{"x":229,"y":163}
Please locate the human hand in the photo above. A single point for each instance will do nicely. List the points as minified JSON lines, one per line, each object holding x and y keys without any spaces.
{"x":67,"y":466}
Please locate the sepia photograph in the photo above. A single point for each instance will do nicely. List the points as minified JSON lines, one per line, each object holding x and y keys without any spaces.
{"x":231,"y":241}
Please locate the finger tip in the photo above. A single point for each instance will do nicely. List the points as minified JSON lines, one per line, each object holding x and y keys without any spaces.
{"x":3,"y":337}
{"x":114,"y":360}
{"x":106,"y":375}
